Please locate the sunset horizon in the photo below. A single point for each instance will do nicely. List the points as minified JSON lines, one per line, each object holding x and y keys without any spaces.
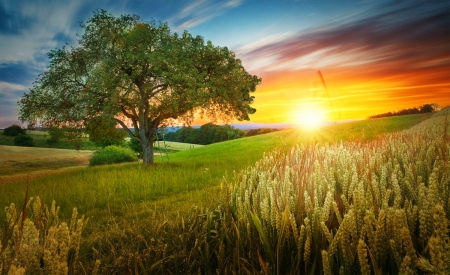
{"x":346,"y":62}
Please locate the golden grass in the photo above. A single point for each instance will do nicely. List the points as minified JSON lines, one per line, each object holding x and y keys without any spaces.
{"x":19,"y":163}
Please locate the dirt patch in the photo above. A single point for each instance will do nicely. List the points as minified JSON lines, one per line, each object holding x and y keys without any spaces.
{"x":22,"y":163}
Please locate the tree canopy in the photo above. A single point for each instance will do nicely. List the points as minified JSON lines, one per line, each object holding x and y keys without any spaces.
{"x":141,"y":75}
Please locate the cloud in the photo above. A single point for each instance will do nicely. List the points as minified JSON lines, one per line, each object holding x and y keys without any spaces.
{"x":200,"y":11}
{"x":410,"y":37}
{"x":31,"y":28}
{"x":8,"y":87}
{"x":19,"y":73}
{"x":12,"y":23}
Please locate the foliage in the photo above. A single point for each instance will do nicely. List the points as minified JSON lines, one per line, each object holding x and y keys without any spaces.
{"x":56,"y":134}
{"x":206,"y":134}
{"x":260,"y":131}
{"x":73,"y":135}
{"x":102,"y":131}
{"x":112,"y":154}
{"x":23,"y":140}
{"x":35,"y":241}
{"x":140,"y":74}
{"x":426,"y":108}
{"x":13,"y":130}
{"x":135,"y":146}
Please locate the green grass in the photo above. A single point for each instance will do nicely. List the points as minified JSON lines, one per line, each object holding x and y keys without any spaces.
{"x":199,"y":169}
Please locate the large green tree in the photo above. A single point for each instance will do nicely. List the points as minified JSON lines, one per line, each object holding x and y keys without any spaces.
{"x":143,"y":76}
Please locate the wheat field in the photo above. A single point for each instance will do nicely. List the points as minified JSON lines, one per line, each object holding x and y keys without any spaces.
{"x":377,"y":206}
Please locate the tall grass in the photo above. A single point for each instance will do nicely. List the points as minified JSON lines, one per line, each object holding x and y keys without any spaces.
{"x":348,"y":208}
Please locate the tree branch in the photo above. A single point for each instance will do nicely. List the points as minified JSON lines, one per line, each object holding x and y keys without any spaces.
{"x":127,"y":129}
{"x":125,"y":112}
{"x":157,"y":89}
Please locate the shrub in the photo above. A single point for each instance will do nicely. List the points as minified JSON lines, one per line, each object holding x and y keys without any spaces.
{"x":135,"y":145}
{"x":14,"y":130}
{"x":112,"y":154}
{"x":23,"y":140}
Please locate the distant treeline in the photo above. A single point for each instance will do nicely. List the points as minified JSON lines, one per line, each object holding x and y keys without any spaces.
{"x":211,"y":133}
{"x":426,"y":108}
{"x":260,"y":131}
{"x":206,"y":134}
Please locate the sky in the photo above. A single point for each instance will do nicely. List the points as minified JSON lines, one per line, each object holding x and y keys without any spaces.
{"x":348,"y":59}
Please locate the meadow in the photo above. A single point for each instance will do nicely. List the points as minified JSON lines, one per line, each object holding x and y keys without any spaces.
{"x":252,"y":205}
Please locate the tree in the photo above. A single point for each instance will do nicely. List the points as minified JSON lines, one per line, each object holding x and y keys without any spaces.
{"x":427,"y":108}
{"x":13,"y":130}
{"x":141,"y":75}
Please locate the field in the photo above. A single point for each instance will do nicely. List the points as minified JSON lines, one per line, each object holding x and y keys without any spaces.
{"x":203,"y":213}
{"x":22,"y":163}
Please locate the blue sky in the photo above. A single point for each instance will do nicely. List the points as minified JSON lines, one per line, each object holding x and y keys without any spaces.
{"x":396,"y":52}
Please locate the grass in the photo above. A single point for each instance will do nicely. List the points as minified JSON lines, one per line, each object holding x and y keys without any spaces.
{"x":19,"y":163}
{"x":179,"y":146}
{"x":154,"y":201}
{"x":189,"y":170}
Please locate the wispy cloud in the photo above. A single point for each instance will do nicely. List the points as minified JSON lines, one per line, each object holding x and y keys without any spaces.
{"x":31,"y":28}
{"x":6,"y":87}
{"x":401,"y":36}
{"x":200,"y":11}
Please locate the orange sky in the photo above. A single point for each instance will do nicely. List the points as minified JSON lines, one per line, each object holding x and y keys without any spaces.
{"x":374,"y":65}
{"x":352,"y":93}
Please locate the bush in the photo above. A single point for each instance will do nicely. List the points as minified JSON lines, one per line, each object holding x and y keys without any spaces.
{"x":14,"y":130}
{"x":112,"y":154}
{"x":23,"y":140}
{"x":135,"y":146}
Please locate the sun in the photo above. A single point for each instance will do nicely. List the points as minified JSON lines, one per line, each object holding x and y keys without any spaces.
{"x":309,"y":118}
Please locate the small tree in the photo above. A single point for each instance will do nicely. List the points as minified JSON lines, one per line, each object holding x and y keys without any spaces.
{"x":426,"y":108}
{"x":56,"y":134}
{"x":142,"y":76}
{"x":14,"y":130}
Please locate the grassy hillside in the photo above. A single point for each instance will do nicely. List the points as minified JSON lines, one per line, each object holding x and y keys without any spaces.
{"x":127,"y":201}
{"x":188,"y":170}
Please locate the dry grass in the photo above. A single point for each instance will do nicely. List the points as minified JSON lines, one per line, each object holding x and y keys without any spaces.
{"x":19,"y":163}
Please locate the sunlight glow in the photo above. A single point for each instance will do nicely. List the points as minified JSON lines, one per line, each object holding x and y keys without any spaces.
{"x":309,"y":118}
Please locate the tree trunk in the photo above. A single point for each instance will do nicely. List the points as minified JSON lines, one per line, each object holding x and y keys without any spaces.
{"x":147,"y":148}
